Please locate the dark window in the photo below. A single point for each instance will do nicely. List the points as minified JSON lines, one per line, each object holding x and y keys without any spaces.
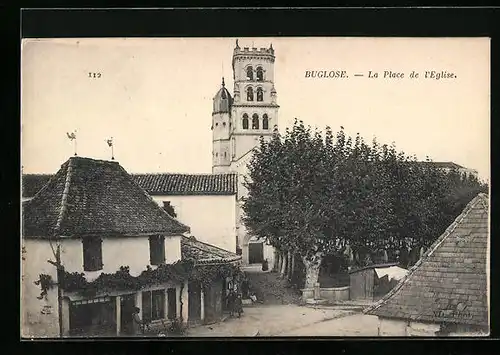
{"x":250,"y":94}
{"x":245,"y":121}
{"x":169,"y":208}
{"x":260,"y":94}
{"x":92,"y":317}
{"x":157,"y":249}
{"x":225,"y":154}
{"x":249,"y":73}
{"x":265,"y":122}
{"x":92,"y":254}
{"x":224,"y":124}
{"x":172,"y":303}
{"x":255,"y":121}
{"x":153,"y":305}
{"x":260,"y":74}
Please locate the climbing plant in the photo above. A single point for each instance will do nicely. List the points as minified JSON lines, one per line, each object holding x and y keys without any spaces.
{"x":122,"y":280}
{"x":46,"y":283}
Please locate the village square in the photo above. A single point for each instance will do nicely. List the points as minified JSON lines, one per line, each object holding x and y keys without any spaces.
{"x":295,"y":231}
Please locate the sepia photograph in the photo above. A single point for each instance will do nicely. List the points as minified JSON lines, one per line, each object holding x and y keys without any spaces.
{"x":255,"y":187}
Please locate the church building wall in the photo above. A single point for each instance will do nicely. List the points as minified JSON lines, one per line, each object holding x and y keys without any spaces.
{"x":212,"y":218}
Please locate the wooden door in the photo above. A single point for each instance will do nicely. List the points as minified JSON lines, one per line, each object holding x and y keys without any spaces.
{"x":172,"y":303}
{"x":194,"y":301}
{"x":255,"y":253}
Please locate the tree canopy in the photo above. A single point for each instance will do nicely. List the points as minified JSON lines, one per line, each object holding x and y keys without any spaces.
{"x":312,"y":193}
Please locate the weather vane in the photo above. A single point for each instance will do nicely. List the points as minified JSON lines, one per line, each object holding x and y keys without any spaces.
{"x":110,"y":144}
{"x":72,"y":137}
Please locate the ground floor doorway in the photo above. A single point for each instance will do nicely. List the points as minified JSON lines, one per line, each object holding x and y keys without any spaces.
{"x":94,"y":317}
{"x":255,"y":252}
{"x":127,"y":305}
{"x":194,"y":301}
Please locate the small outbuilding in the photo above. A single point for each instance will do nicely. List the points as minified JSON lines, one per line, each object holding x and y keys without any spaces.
{"x":370,"y":283}
{"x":446,"y":291}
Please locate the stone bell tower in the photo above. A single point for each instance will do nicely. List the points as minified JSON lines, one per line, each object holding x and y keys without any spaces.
{"x":254,"y":109}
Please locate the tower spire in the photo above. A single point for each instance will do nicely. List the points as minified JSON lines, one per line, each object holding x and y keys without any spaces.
{"x":223,"y":84}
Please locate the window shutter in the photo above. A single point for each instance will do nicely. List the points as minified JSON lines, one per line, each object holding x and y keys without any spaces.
{"x":92,"y":254}
{"x":157,"y":249}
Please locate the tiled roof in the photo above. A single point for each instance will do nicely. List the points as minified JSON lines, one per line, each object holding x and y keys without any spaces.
{"x":87,"y":197}
{"x":32,"y":183}
{"x":159,"y":184}
{"x":188,"y":184}
{"x":449,"y":283}
{"x":205,"y":253}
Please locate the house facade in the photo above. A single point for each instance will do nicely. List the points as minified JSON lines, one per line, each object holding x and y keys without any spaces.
{"x":446,"y":292}
{"x":205,"y":202}
{"x":96,"y":245}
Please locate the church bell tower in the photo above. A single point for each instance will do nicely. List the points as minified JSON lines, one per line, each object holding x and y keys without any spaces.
{"x":238,"y":122}
{"x":254,"y":110}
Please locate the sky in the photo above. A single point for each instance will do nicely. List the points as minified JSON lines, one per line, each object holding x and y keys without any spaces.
{"x":154,"y":97}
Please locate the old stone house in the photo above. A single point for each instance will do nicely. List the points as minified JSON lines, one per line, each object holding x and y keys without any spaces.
{"x":117,"y":250}
{"x":446,"y":292}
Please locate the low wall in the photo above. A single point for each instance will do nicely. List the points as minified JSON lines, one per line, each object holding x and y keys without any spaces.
{"x":331,"y":294}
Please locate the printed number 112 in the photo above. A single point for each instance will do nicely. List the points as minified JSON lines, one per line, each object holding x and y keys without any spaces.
{"x":95,"y":75}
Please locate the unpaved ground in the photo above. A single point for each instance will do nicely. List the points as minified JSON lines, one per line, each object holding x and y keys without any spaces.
{"x":350,"y":326}
{"x":271,"y":320}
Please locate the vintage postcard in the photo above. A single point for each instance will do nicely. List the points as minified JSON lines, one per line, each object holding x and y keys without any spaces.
{"x":248,"y":187}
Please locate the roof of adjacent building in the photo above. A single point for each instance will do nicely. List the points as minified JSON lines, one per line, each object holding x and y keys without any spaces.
{"x":188,"y":184}
{"x":158,"y":183}
{"x":32,"y":183}
{"x":94,"y":197}
{"x":449,"y":283}
{"x":205,"y":253}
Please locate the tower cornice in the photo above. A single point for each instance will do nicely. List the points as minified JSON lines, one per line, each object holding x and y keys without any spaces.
{"x":264,"y":105}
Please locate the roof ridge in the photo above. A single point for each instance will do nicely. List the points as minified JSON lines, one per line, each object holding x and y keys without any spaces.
{"x":193,"y":174}
{"x":148,"y":196}
{"x":64,"y":198}
{"x":427,"y":254}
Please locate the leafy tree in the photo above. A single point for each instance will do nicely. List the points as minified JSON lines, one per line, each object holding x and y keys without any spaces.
{"x":313,"y":194}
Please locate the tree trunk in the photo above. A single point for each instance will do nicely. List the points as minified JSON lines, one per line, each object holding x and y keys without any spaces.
{"x":292,"y":272}
{"x":289,"y":266}
{"x":283,"y":265}
{"x":276,"y":260}
{"x":312,"y":266}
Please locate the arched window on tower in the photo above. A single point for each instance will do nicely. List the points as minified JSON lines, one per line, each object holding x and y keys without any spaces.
{"x":260,"y":94}
{"x":245,"y":121}
{"x":250,"y":94}
{"x":260,"y":74}
{"x":265,"y":122}
{"x":250,"y":73}
{"x":255,"y":121}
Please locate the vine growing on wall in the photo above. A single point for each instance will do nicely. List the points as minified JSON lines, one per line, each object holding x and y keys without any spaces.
{"x":46,"y":283}
{"x":122,"y":280}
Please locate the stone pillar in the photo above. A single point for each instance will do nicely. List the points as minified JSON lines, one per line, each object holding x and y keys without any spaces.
{"x":165,"y":304}
{"x":65,"y":316}
{"x":202,"y":301}
{"x":118,"y":310}
{"x":317,"y":290}
{"x":185,"y":302}
{"x":138,"y":302}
